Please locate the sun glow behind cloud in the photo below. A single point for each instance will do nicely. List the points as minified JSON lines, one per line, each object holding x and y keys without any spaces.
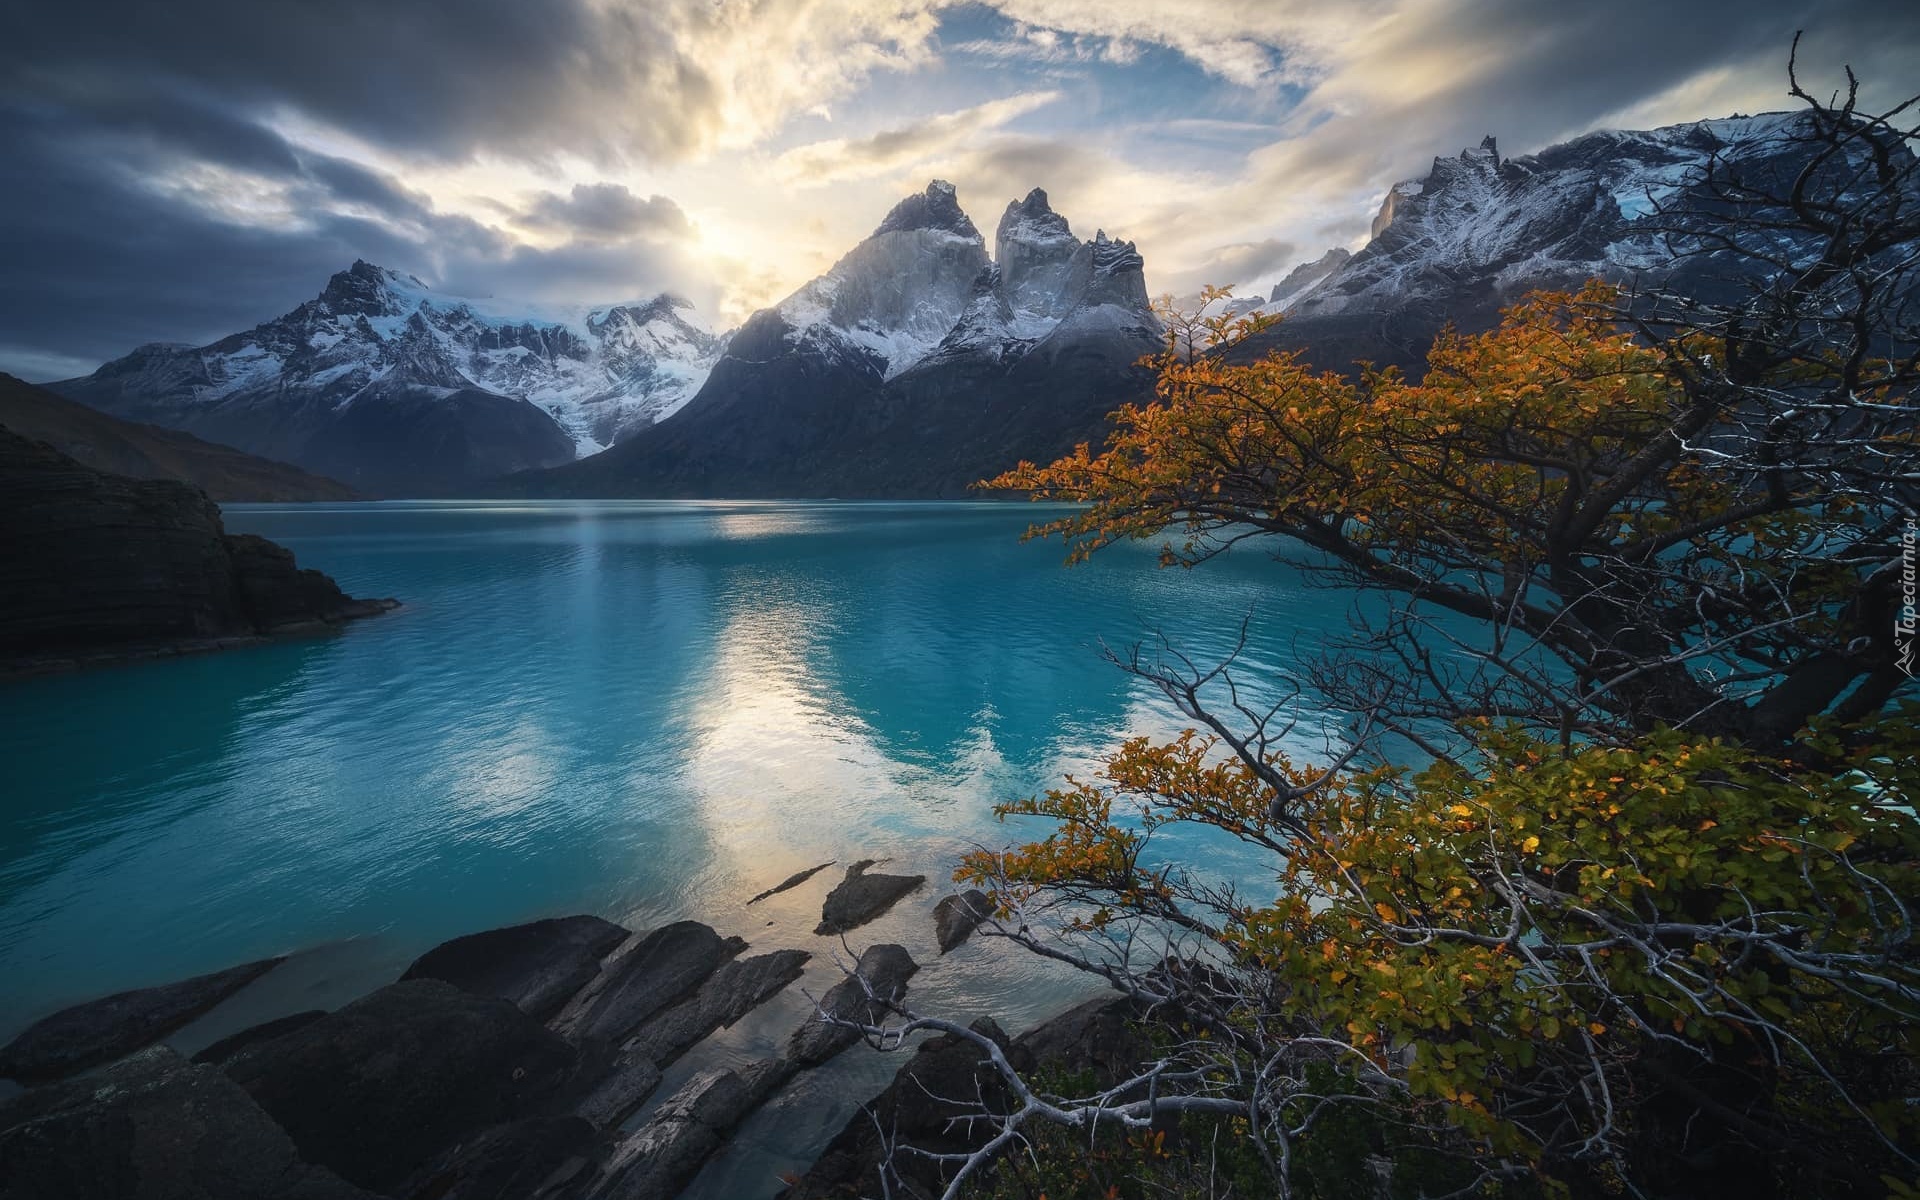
{"x":730,"y":149}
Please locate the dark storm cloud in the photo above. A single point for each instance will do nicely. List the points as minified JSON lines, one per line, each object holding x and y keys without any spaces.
{"x":608,"y":210}
{"x":101,"y":255}
{"x":434,"y":77}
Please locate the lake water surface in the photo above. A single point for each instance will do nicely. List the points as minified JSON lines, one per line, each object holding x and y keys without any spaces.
{"x":646,"y":710}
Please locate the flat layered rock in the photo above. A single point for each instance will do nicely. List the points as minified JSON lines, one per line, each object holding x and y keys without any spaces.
{"x":861,"y":897}
{"x":730,"y":993}
{"x":659,"y":1159}
{"x":644,"y":975}
{"x":99,"y":1031}
{"x":956,"y":917}
{"x":151,"y":1127}
{"x":377,"y":1089}
{"x":538,"y":966}
{"x":881,"y":975}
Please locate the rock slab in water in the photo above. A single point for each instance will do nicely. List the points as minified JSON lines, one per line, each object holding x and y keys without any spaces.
{"x":792,"y":881}
{"x":154,"y":1127}
{"x":98,"y":1031}
{"x":659,"y":1158}
{"x":861,"y":897}
{"x":538,"y":966}
{"x":643,"y":975}
{"x":883,"y":970}
{"x":730,"y":993}
{"x":956,"y":917}
{"x":377,"y":1089}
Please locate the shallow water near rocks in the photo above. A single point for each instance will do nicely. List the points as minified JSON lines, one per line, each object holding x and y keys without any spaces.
{"x":645,"y":710}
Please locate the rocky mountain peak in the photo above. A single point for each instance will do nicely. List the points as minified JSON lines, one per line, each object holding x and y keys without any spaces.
{"x":363,"y":289}
{"x":938,"y":207}
{"x":1034,"y":247}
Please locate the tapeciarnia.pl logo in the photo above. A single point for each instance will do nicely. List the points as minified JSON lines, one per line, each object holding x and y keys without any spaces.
{"x":1905,"y":622}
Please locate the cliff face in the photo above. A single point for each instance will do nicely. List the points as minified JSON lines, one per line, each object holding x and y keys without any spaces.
{"x":93,"y":565}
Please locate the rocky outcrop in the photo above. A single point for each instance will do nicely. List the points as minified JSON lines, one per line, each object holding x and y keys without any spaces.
{"x":375,"y":1090}
{"x":861,"y":897}
{"x":538,"y":966}
{"x":102,"y":1030}
{"x":96,"y":566}
{"x":228,"y":1048}
{"x":879,"y":978}
{"x":540,"y":1158}
{"x":153,"y":1127}
{"x":956,"y":917}
{"x":641,"y":977}
{"x":730,"y":993}
{"x":107,"y":443}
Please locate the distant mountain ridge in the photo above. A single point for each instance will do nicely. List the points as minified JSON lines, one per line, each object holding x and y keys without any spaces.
{"x":384,"y":382}
{"x":1478,"y":231}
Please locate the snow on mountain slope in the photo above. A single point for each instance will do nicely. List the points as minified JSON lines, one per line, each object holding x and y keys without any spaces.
{"x":1482,"y":226}
{"x":896,"y":294}
{"x":600,"y":373}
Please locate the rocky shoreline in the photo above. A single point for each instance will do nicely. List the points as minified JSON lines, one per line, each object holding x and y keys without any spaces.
{"x":502,"y":1065}
{"x":98,"y":568}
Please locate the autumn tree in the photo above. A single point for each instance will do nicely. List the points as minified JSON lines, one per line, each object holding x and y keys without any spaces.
{"x":1610,"y":888}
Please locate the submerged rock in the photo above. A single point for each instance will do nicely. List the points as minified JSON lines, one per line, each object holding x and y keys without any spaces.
{"x":154,"y":1127}
{"x":643,"y":975}
{"x":792,"y":881}
{"x":880,"y":976}
{"x":377,"y":1089}
{"x":861,"y":897}
{"x":538,"y":966}
{"x":956,"y":917}
{"x":98,"y":1031}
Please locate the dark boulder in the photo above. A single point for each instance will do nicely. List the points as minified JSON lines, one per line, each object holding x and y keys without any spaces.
{"x":235,"y":1044}
{"x":153,"y":1127}
{"x":643,"y":975}
{"x":102,"y":1030}
{"x":956,"y":917}
{"x":880,"y":976}
{"x":377,"y":1089}
{"x":538,"y":966}
{"x":861,"y":897}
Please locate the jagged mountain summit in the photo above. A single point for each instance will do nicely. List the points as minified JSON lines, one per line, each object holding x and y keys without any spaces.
{"x":1479,"y":231}
{"x":916,"y":365}
{"x":397,"y":388}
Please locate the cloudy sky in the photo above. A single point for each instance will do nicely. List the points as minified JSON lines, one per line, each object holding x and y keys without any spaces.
{"x":179,"y":171}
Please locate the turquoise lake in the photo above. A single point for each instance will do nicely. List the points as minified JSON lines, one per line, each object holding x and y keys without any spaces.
{"x":645,"y":710}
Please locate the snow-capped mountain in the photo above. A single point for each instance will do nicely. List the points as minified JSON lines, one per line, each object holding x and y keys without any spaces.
{"x":914,"y":366}
{"x":1301,"y":281}
{"x":1480,"y":230}
{"x":555,"y":383}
